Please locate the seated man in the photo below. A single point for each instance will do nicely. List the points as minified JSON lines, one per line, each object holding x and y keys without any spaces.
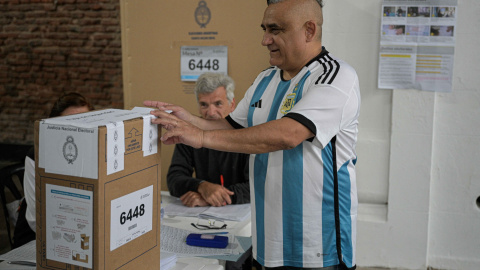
{"x":215,"y":97}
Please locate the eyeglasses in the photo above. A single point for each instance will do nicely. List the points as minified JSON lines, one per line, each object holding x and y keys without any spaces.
{"x":209,"y":224}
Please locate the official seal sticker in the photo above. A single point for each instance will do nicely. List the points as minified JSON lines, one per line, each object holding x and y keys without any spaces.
{"x":202,"y":14}
{"x":70,"y":150}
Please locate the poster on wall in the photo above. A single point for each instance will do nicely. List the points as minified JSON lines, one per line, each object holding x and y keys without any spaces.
{"x":417,"y":44}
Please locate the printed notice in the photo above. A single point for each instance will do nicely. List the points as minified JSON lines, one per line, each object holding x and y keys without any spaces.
{"x":68,"y":145}
{"x":131,"y":217}
{"x":69,"y":150}
{"x":69,"y":225}
{"x":195,"y":60}
{"x":417,"y":44}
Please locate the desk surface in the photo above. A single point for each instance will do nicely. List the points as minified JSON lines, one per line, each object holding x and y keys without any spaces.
{"x":242,"y":228}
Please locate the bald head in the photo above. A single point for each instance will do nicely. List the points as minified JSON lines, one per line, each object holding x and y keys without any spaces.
{"x":319,"y":2}
{"x":304,"y":10}
{"x":292,"y":33}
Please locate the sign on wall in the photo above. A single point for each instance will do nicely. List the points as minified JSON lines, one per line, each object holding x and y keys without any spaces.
{"x":195,"y":60}
{"x":417,"y":44}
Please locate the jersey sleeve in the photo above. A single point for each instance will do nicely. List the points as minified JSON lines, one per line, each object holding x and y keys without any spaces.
{"x":330,"y":107}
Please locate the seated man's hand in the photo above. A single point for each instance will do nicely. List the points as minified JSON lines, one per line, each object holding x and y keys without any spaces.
{"x":214,"y":194}
{"x":192,"y":199}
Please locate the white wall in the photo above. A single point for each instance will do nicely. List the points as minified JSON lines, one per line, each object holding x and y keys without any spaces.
{"x":454,"y":226}
{"x":418,"y":151}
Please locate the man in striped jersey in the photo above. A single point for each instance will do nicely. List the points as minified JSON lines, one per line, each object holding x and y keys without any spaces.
{"x":299,"y":122}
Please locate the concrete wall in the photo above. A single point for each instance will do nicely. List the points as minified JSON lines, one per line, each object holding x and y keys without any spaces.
{"x":454,"y":224}
{"x":418,"y":151}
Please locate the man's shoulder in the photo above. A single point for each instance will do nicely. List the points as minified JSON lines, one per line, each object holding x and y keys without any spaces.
{"x":330,"y":70}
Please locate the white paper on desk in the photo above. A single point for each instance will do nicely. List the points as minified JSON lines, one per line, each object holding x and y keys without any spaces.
{"x":174,"y":240}
{"x":235,"y":212}
{"x":26,"y":253}
{"x":167,"y":260}
{"x":176,"y":208}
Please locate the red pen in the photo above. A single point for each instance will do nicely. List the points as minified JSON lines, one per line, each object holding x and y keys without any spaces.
{"x":221,"y":179}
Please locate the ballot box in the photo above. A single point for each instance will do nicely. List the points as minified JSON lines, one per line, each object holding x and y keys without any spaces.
{"x":97,"y":190}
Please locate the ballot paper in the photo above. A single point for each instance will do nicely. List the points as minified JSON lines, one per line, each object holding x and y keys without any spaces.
{"x":167,"y":260}
{"x":176,"y":208}
{"x":173,"y":240}
{"x":25,"y":253}
{"x":233,"y":212}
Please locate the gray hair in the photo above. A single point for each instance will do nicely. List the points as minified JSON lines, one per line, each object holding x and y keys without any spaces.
{"x":320,"y":2}
{"x":209,"y":81}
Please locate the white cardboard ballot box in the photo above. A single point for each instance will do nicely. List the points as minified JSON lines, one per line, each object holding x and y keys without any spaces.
{"x":98,"y":191}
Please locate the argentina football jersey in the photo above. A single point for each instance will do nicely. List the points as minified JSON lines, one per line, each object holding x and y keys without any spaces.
{"x":303,"y":196}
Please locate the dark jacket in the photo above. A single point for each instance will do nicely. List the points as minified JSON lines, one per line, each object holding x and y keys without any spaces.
{"x":208,"y":165}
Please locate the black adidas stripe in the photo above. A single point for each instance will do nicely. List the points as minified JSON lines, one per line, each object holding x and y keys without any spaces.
{"x":323,"y":74}
{"x":329,"y":71}
{"x":333,"y":66}
{"x":336,"y":71}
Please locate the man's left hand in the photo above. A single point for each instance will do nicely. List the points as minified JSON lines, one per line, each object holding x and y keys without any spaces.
{"x":192,"y":199}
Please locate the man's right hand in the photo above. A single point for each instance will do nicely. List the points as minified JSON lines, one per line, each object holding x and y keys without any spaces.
{"x":178,"y":111}
{"x":192,"y":199}
{"x":215,"y":195}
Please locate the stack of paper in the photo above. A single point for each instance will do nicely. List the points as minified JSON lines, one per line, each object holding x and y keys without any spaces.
{"x":167,"y":260}
{"x":234,"y":212}
{"x":173,"y":240}
{"x":22,"y":258}
{"x":25,"y":253}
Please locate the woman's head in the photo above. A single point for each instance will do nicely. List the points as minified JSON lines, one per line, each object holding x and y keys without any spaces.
{"x":70,"y":103}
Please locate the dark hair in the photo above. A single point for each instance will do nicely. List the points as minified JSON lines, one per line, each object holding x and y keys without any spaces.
{"x":320,"y":2}
{"x":71,"y":99}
